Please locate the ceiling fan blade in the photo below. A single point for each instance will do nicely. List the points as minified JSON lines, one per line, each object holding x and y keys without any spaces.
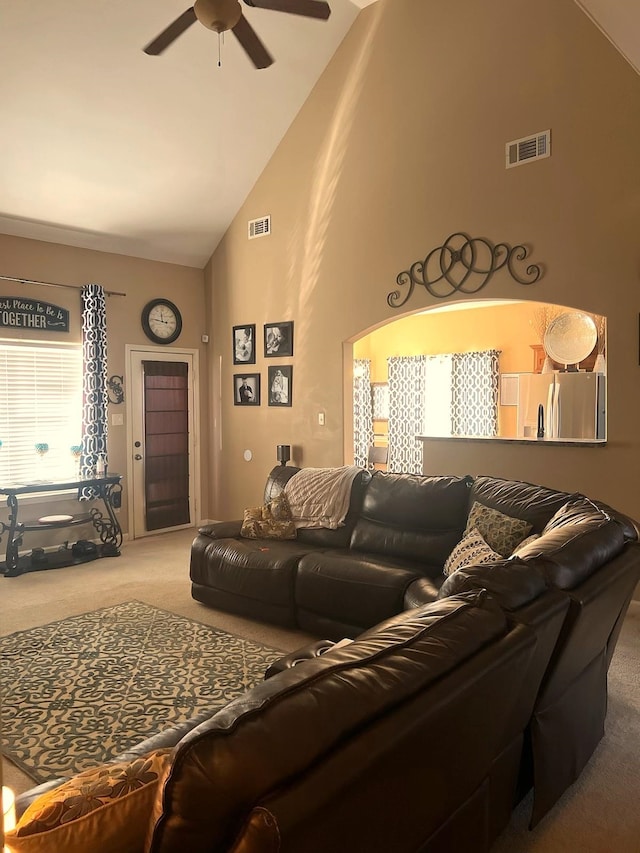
{"x":307,"y":8}
{"x":249,"y":40}
{"x":171,"y":33}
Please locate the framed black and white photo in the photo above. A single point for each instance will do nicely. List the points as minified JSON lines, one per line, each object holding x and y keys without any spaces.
{"x":244,"y":344}
{"x":280,"y":385}
{"x":278,"y":339}
{"x":246,"y":389}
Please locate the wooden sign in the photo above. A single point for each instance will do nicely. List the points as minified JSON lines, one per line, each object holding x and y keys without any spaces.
{"x":17,"y":312}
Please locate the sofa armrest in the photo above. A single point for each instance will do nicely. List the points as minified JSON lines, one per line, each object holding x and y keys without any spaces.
{"x":222,"y":529}
{"x":309,"y":652}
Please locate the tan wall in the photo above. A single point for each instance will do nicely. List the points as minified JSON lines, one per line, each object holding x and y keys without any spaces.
{"x":141,"y":280}
{"x":400,"y":144}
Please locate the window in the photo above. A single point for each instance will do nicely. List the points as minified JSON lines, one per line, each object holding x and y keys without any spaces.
{"x":461,"y":394}
{"x":438,"y":398}
{"x":41,"y":392}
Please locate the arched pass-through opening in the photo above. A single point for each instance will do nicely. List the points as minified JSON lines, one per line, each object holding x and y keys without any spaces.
{"x":515,"y":330}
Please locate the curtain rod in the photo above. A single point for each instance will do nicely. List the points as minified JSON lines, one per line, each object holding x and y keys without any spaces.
{"x":52,"y":284}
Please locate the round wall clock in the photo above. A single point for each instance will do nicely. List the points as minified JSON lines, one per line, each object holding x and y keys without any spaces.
{"x":161,"y":321}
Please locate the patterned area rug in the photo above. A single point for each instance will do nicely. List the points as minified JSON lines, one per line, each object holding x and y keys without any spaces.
{"x":83,"y":690}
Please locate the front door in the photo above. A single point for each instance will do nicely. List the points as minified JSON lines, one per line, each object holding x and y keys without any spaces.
{"x":162,"y":443}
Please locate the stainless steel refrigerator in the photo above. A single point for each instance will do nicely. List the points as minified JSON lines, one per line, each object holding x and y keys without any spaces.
{"x":573,"y":405}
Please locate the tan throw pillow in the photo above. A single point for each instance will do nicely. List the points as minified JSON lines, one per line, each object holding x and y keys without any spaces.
{"x":279,"y":509}
{"x":471,"y":550}
{"x":271,"y":521}
{"x":501,"y":532}
{"x":106,"y":809}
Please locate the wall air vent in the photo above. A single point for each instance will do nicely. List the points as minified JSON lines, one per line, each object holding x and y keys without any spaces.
{"x":259,"y":227}
{"x":528,"y":148}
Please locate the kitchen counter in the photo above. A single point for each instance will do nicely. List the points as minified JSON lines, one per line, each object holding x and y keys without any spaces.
{"x":498,"y":439}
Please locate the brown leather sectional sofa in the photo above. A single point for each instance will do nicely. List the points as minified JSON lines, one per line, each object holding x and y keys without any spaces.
{"x":388,"y":559}
{"x":456,"y":695}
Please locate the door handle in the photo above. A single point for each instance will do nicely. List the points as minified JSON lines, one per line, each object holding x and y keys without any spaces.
{"x":137,"y":456}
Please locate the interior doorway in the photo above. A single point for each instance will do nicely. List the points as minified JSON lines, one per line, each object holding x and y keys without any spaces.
{"x":163,"y":451}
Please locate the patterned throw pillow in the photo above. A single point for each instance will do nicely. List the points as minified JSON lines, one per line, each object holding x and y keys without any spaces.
{"x":271,"y":521}
{"x":106,"y":809}
{"x":471,"y":550}
{"x":501,"y":532}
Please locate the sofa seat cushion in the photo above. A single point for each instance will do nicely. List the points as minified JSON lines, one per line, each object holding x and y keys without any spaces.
{"x":412,"y":517}
{"x":262,"y":569}
{"x":267,"y":741}
{"x":351,"y":588}
{"x":104,"y":809}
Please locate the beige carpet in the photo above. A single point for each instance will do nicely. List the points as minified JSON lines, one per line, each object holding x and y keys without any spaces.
{"x":599,"y":814}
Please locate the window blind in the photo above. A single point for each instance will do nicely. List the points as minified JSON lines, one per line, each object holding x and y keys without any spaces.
{"x":41,"y":403}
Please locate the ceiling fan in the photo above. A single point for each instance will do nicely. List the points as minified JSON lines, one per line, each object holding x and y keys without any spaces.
{"x":224,"y":15}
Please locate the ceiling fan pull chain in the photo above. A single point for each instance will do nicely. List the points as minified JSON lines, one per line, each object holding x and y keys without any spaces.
{"x":220,"y":37}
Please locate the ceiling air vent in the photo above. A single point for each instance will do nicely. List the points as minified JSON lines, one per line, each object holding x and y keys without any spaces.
{"x":259,"y":227}
{"x":528,"y":148}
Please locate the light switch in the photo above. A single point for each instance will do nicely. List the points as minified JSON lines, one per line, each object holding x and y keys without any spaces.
{"x":117,"y":420}
{"x":320,"y":418}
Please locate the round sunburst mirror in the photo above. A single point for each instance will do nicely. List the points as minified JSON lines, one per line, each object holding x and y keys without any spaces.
{"x":570,"y":337}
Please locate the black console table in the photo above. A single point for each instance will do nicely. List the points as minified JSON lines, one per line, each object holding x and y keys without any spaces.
{"x":107,"y":489}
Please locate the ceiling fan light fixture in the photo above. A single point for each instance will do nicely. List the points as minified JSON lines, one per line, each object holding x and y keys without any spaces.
{"x":218,"y":15}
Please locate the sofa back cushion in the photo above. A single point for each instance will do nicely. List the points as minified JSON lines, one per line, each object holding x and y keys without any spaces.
{"x":513,"y":583}
{"x":413,"y":517}
{"x":320,"y":536}
{"x":535,"y":504}
{"x":267,"y":739}
{"x":578,"y":540}
{"x":276,"y":481}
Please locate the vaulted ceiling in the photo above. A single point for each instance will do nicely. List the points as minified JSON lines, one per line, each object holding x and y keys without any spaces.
{"x":107,"y":148}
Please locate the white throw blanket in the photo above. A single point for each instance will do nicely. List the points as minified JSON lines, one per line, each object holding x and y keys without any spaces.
{"x":319,"y":497}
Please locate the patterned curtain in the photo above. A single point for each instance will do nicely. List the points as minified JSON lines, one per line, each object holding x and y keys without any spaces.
{"x":362,"y":411}
{"x":94,"y":370}
{"x":474,"y":381}
{"x":406,"y":413}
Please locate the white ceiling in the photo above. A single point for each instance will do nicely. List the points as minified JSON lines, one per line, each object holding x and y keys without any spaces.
{"x":107,"y":148}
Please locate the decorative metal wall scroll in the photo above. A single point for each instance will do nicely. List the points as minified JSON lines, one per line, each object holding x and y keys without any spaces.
{"x":463,"y":264}
{"x":115,"y":389}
